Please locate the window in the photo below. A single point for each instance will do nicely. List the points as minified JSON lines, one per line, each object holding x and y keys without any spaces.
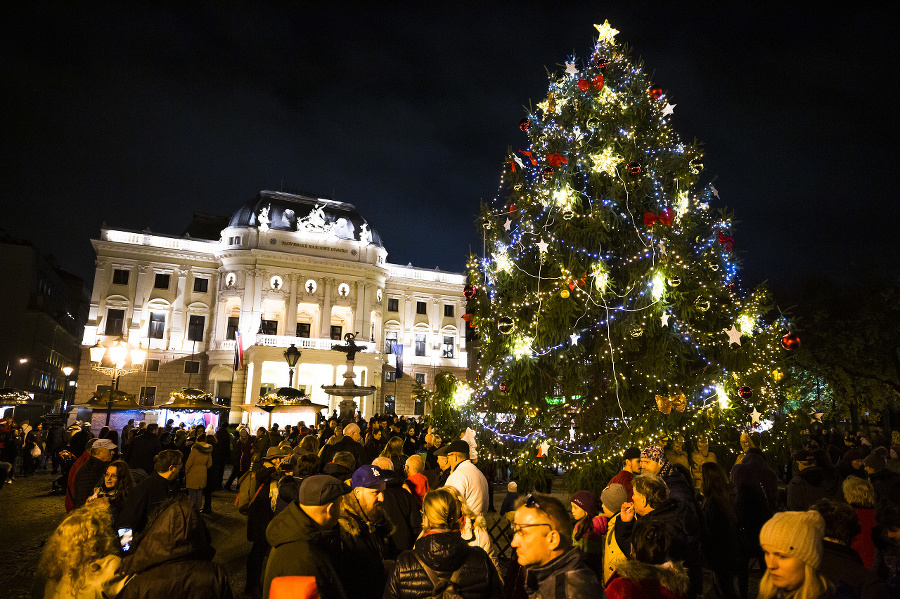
{"x":420,"y":344}
{"x":223,"y":393}
{"x":268,"y":327}
{"x":151,"y":365}
{"x":201,"y":285}
{"x":161,"y":281}
{"x":303,"y":329}
{"x":115,"y":322}
{"x":191,"y":366}
{"x":421,"y":308}
{"x":336,"y":331}
{"x":393,"y":304}
{"x":196,"y":324}
{"x":447,"y":347}
{"x":448,"y":310}
{"x":420,"y":378}
{"x":388,"y":404}
{"x":419,"y":407}
{"x":232,"y":327}
{"x":120,"y":277}
{"x":235,"y":240}
{"x":390,"y":376}
{"x":390,"y":340}
{"x":148,"y":396}
{"x":157,"y":325}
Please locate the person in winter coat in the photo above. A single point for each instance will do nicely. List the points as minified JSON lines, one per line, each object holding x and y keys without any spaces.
{"x":860,"y":495}
{"x":155,"y":490}
{"x":351,"y":442}
{"x":721,"y":540}
{"x":886,"y":536}
{"x":611,"y":500}
{"x":259,"y":514}
{"x":400,"y":508}
{"x":589,"y":530}
{"x":543,"y":544}
{"x":840,"y":563}
{"x":195,"y":471}
{"x":812,"y":483}
{"x":792,"y":542}
{"x":756,"y":494}
{"x":174,"y":559}
{"x":304,"y":540}
{"x":416,"y":482}
{"x":649,"y":573}
{"x":80,"y":559}
{"x":442,"y":555}
{"x":241,"y":455}
{"x":365,"y":535}
{"x":143,"y":449}
{"x":114,"y":487}
{"x":92,"y":471}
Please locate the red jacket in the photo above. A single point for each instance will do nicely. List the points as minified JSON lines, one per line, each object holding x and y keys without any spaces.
{"x":637,"y":580}
{"x":623,"y":478}
{"x":863,"y":543}
{"x":70,"y":483}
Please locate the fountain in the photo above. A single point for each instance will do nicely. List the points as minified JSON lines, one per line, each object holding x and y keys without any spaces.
{"x":349,"y":390}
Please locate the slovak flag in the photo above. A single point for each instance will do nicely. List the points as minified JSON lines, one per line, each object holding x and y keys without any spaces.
{"x":238,"y":351}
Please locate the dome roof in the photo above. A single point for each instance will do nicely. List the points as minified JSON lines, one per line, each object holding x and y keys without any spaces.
{"x":289,"y":212}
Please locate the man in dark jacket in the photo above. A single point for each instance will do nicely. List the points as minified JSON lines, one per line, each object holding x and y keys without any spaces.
{"x":92,"y":471}
{"x":400,"y":508}
{"x":341,"y":466}
{"x":259,"y":514}
{"x":543,"y":543}
{"x":365,"y":535}
{"x":840,"y":563}
{"x":174,"y":558}
{"x":351,"y":442}
{"x":152,"y":492}
{"x":756,"y":495}
{"x":884,"y":481}
{"x":303,"y":539}
{"x":143,"y":449}
{"x":811,"y":484}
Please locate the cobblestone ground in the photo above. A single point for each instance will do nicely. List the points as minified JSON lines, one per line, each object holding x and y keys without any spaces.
{"x":29,"y":513}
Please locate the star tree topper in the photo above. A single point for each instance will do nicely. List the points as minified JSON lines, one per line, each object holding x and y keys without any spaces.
{"x":607,"y":33}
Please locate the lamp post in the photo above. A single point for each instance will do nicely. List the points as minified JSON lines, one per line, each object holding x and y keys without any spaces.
{"x":291,"y":356}
{"x":67,"y":370}
{"x":118,"y":355}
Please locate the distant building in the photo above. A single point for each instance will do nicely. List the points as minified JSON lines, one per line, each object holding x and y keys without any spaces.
{"x":284,"y":269}
{"x":43,"y":310}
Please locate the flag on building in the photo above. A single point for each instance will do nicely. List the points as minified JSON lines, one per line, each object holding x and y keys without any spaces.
{"x":238,"y":352}
{"x":398,"y":351}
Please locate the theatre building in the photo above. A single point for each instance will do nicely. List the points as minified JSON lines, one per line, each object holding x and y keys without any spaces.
{"x":284,"y":269}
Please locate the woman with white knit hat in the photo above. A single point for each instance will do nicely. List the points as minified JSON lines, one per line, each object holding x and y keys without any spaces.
{"x":792,"y":543}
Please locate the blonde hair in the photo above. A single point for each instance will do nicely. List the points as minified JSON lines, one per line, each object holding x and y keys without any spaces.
{"x":441,"y":510}
{"x":394,"y":447}
{"x":478,"y":521}
{"x":83,"y":537}
{"x":859,"y":492}
{"x":814,"y":585}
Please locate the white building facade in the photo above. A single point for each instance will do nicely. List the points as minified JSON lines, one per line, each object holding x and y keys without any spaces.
{"x":287,"y":269}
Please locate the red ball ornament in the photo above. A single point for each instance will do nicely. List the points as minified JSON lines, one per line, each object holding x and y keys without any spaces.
{"x":470,"y":291}
{"x":524,"y":125}
{"x":745,"y":392}
{"x":549,"y":172}
{"x":583,"y":84}
{"x":602,"y":63}
{"x":790,"y":341}
{"x":655,"y":92}
{"x":502,"y":386}
{"x":512,"y":208}
{"x":634,"y":167}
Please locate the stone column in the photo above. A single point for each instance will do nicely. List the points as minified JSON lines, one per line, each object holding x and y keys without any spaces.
{"x":290,"y":317}
{"x":247,"y":324}
{"x":140,"y":294}
{"x":325,"y":324}
{"x":359,"y":316}
{"x":178,"y":332}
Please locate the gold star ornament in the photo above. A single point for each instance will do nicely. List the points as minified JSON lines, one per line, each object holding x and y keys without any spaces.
{"x":607,"y":33}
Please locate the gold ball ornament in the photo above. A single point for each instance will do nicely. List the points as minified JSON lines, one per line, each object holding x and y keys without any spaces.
{"x":637,"y":332}
{"x":714,"y":266}
{"x":564,"y":294}
{"x":568,"y":215}
{"x":702,"y":304}
{"x":674,"y":282}
{"x":777,"y":374}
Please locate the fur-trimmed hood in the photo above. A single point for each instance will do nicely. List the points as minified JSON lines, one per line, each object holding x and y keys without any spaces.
{"x":671,"y":575}
{"x":202,"y":447}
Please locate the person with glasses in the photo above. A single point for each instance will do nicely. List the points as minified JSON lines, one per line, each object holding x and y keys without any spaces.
{"x":543,"y":542}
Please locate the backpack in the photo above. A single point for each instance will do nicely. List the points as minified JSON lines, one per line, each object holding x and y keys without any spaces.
{"x":443,"y":588}
{"x":247,"y":492}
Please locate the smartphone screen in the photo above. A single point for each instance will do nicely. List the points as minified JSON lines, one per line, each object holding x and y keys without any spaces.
{"x":125,"y":537}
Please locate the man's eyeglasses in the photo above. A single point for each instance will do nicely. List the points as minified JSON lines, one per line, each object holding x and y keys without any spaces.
{"x":518,"y":528}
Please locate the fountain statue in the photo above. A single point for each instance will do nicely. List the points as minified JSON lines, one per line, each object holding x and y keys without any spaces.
{"x":349,"y":390}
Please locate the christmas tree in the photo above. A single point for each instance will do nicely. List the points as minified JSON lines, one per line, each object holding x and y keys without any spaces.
{"x":605,"y":304}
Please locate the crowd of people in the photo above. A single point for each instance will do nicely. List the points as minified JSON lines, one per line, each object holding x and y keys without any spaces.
{"x":387,"y":508}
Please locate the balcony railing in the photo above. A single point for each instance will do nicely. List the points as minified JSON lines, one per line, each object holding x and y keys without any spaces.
{"x":284,"y":341}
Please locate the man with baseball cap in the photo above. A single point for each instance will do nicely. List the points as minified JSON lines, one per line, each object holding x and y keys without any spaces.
{"x":365,"y":535}
{"x":102,"y":453}
{"x":303,"y":537}
{"x":630,"y":468}
{"x":466,"y":478}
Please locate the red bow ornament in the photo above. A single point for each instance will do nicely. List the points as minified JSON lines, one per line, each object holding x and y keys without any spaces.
{"x":584,"y":84}
{"x":665,"y":217}
{"x":530,"y":157}
{"x":728,"y":242}
{"x":556,"y":160}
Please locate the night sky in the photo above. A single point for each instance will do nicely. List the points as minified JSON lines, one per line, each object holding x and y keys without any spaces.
{"x":137,"y":116}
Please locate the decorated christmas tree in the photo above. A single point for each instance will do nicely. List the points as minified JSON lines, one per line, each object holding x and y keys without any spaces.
{"x":605,"y":304}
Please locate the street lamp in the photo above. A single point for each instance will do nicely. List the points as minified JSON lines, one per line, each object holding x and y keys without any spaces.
{"x":67,"y":370}
{"x":291,"y":355}
{"x":118,"y":354}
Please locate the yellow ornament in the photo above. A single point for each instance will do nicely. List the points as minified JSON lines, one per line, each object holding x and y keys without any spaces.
{"x":777,"y":375}
{"x":564,"y":293}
